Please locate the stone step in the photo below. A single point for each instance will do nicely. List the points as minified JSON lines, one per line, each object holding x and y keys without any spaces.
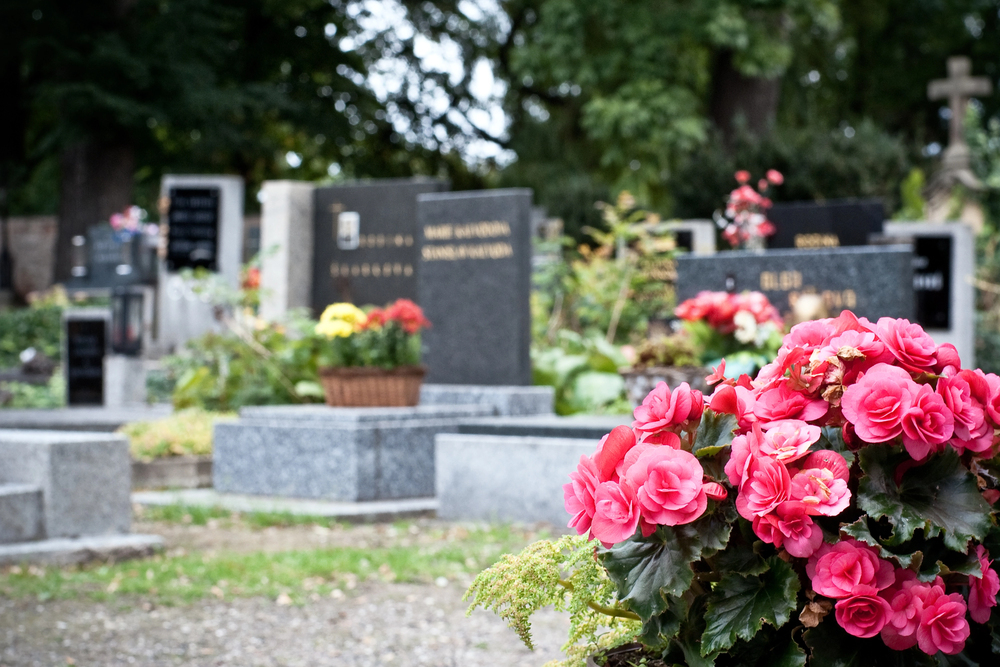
{"x":21,"y":517}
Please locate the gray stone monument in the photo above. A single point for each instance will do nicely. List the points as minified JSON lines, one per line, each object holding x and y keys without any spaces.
{"x":871,"y":281}
{"x":286,"y":243}
{"x":474,"y":286}
{"x":64,"y":497}
{"x":205,"y":230}
{"x":944,"y":257}
{"x":694,"y":236}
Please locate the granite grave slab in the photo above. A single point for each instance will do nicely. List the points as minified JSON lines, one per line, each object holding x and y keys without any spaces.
{"x":347,"y":454}
{"x":871,"y":281}
{"x":85,"y":345}
{"x":505,"y":478}
{"x":830,"y":224}
{"x":504,"y":401}
{"x":474,"y":286}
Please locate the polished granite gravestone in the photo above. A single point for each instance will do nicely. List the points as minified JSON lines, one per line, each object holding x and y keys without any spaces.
{"x":350,"y":454}
{"x":474,"y":286}
{"x":871,"y":281}
{"x":944,"y":265}
{"x":64,"y":497}
{"x":830,"y":224}
{"x":364,"y":241}
{"x":85,"y":346}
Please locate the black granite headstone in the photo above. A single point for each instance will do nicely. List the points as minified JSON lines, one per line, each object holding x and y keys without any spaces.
{"x":871,"y":281}
{"x":193,"y":234}
{"x":829,"y":224}
{"x":86,"y":344}
{"x":475,"y":286}
{"x":932,"y":280}
{"x":365,"y":248}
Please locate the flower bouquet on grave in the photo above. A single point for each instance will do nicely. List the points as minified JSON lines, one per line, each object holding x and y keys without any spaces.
{"x":840,"y":508}
{"x":744,"y":223}
{"x":371,"y":358}
{"x":743,"y":329}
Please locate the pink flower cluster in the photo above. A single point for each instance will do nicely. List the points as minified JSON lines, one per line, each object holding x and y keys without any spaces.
{"x":719,"y":309}
{"x":640,"y":477}
{"x":746,"y":209}
{"x":874,"y":598}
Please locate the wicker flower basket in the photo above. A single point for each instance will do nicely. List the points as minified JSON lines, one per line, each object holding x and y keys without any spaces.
{"x":363,"y":387}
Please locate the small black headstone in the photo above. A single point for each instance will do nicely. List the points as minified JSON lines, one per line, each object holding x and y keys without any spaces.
{"x":932,"y":257}
{"x":475,"y":286}
{"x":365,"y":248}
{"x":193,"y":236}
{"x":829,"y":224}
{"x":684,"y":239}
{"x":871,"y":281}
{"x":86,"y":344}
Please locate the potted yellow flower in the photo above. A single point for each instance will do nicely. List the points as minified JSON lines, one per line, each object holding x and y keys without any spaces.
{"x":371,"y":358}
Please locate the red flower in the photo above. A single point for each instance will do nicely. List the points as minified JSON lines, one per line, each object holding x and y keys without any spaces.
{"x":742,"y":176}
{"x":408,"y":315}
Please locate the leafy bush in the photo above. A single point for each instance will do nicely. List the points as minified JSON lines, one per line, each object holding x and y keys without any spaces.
{"x":184,"y":433}
{"x":584,"y":372}
{"x":40,"y":328}
{"x":25,"y":395}
{"x":254,"y":363}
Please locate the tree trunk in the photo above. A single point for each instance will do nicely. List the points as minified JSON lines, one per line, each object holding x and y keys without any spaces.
{"x":96,"y":182}
{"x":740,"y":100}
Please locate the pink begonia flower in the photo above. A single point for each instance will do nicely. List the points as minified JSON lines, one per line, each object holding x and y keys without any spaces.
{"x":742,"y":176}
{"x":948,"y":362}
{"x":851,"y":343}
{"x":863,"y":614}
{"x":578,"y":494}
{"x":839,"y":570}
{"x":820,"y":492}
{"x":909,"y":343}
{"x":788,"y":440}
{"x":775,"y":177}
{"x":943,"y":626}
{"x":669,"y":486}
{"x":765,"y":485}
{"x":734,"y":400}
{"x":742,"y":450}
{"x":616,"y":513}
{"x":611,"y":450}
{"x":971,"y":430}
{"x":876,"y":403}
{"x":663,"y":409}
{"x":664,"y":438}
{"x":992,"y":402}
{"x":927,"y":422}
{"x":907,"y":598}
{"x":780,"y":403}
{"x":983,"y":590}
{"x":829,"y":459}
{"x":809,"y":335}
{"x":800,"y":535}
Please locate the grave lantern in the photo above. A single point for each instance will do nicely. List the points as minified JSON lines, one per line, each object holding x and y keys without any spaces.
{"x":126,"y":321}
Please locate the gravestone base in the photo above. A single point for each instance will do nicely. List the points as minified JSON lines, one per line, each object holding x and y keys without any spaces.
{"x":124,"y":381}
{"x":344,"y":454}
{"x":505,"y":478}
{"x":64,"y":498}
{"x":513,"y":401}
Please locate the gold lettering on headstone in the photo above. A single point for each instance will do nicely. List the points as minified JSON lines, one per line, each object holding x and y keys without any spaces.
{"x":398,"y":240}
{"x":780,"y":281}
{"x":451,"y":253}
{"x":467,"y":231}
{"x":397,"y":269}
{"x":362,"y":241}
{"x":355,"y":270}
{"x":335,"y":270}
{"x":408,"y":240}
{"x":407,"y":270}
{"x":366,"y":269}
{"x":380,"y":240}
{"x":376,"y":270}
{"x":817,"y":241}
{"x":345,"y":270}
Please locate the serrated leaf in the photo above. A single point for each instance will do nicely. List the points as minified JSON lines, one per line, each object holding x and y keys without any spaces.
{"x":832,"y":437}
{"x":714,"y":433}
{"x":660,"y":629}
{"x":738,"y":606}
{"x":791,"y":655}
{"x":860,"y":531}
{"x":689,"y":638}
{"x":940,"y":497}
{"x":648,"y":570}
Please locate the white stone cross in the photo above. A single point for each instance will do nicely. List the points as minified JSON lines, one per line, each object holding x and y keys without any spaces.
{"x":957,"y":89}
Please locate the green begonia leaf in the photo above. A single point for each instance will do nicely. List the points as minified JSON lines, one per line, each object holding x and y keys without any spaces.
{"x":832,"y":437}
{"x":830,"y":646}
{"x":648,"y":570}
{"x":714,"y":433}
{"x":738,"y":606}
{"x":663,"y":627}
{"x":940,"y":497}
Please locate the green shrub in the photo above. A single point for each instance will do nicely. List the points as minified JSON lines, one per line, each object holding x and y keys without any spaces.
{"x":185,"y":433}
{"x":584,"y":372}
{"x":25,"y":395}
{"x":40,"y":328}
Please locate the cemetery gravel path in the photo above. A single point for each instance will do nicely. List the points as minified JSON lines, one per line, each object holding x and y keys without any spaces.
{"x":376,"y":623}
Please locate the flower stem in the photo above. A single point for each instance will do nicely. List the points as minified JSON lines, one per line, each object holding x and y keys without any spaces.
{"x":614,"y":612}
